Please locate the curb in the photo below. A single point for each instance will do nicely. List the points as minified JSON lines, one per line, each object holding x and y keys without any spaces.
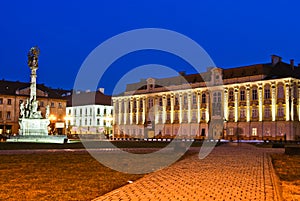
{"x":275,"y":180}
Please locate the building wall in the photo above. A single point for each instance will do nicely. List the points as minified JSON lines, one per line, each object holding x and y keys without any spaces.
{"x":11,"y":104}
{"x":90,"y":119}
{"x":251,"y":108}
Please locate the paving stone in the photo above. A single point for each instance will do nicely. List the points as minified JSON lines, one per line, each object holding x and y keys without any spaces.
{"x":229,"y":172}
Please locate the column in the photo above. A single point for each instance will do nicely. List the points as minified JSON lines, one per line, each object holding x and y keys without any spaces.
{"x":207,"y":106}
{"x":248,"y":103}
{"x":164,"y":102}
{"x":226,"y":104}
{"x":131,"y":111}
{"x":292,"y":101}
{"x":198,"y":106}
{"x":287,"y":101}
{"x":137,"y":113}
{"x":236,"y":104}
{"x":260,"y":102}
{"x":273,"y":93}
{"x":156,"y":111}
{"x":144,"y":110}
{"x":172,"y":109}
{"x":120,"y":111}
{"x":189,"y":97}
{"x":114,"y":111}
{"x":180,"y":108}
{"x":125,"y":111}
{"x":298,"y":100}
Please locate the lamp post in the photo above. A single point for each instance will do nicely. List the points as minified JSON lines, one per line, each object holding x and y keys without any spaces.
{"x":107,"y":118}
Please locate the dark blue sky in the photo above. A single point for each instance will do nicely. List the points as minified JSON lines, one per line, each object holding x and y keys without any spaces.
{"x":234,"y":33}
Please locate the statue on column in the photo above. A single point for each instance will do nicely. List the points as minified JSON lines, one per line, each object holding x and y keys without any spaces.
{"x":33,"y":56}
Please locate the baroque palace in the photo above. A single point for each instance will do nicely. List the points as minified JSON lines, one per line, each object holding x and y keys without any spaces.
{"x":260,"y":101}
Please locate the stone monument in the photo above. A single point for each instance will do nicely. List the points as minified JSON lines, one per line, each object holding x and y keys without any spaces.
{"x":34,"y":127}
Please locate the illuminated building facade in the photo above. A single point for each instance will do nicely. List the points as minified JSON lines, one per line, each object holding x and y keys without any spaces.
{"x":259,"y":101}
{"x":12,"y":94}
{"x":89,"y":113}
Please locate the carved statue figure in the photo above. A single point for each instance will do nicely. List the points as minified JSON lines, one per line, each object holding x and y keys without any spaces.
{"x":33,"y":56}
{"x":22,"y":110}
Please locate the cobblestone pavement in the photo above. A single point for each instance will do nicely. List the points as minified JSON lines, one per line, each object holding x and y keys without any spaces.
{"x":230,"y":172}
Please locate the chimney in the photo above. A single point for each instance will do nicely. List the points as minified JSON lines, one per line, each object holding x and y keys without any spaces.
{"x":101,"y":90}
{"x":275,"y":59}
{"x":292,"y":63}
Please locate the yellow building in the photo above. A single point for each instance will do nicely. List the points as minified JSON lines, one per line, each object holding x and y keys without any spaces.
{"x":13,"y":93}
{"x":259,"y":101}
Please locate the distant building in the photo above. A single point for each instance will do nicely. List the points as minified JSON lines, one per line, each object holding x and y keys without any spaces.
{"x":13,"y":93}
{"x":260,"y":101}
{"x":89,"y":113}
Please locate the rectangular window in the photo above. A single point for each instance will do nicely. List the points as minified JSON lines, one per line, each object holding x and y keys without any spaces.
{"x":9,"y":101}
{"x":280,"y":112}
{"x":0,"y":114}
{"x":254,"y":131}
{"x":160,"y":101}
{"x":203,"y":115}
{"x":231,"y":97}
{"x":254,"y":94}
{"x":280,"y":91}
{"x":176,"y":101}
{"x":194,"y":99}
{"x":242,"y":113}
{"x":8,"y":115}
{"x":59,"y":105}
{"x":150,"y":103}
{"x":203,"y":98}
{"x":41,"y":104}
{"x":98,"y":121}
{"x":254,"y":113}
{"x":267,"y":112}
{"x":52,"y":104}
{"x":185,"y":102}
{"x":267,"y":94}
{"x":242,"y":95}
{"x":230,"y":131}
{"x":1,"y":101}
{"x":168,"y":101}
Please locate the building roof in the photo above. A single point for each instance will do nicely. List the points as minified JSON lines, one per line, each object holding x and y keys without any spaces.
{"x":274,"y":70}
{"x":88,"y":98}
{"x":13,"y":88}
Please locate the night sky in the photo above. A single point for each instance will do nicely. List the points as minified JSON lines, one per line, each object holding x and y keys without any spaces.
{"x":234,"y":33}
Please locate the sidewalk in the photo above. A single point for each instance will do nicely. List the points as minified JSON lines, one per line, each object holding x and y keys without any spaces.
{"x":230,"y":172}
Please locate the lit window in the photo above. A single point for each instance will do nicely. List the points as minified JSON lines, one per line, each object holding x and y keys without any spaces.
{"x":9,"y":101}
{"x":168,"y":101}
{"x":185,"y":100}
{"x":254,"y":131}
{"x":160,"y":101}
